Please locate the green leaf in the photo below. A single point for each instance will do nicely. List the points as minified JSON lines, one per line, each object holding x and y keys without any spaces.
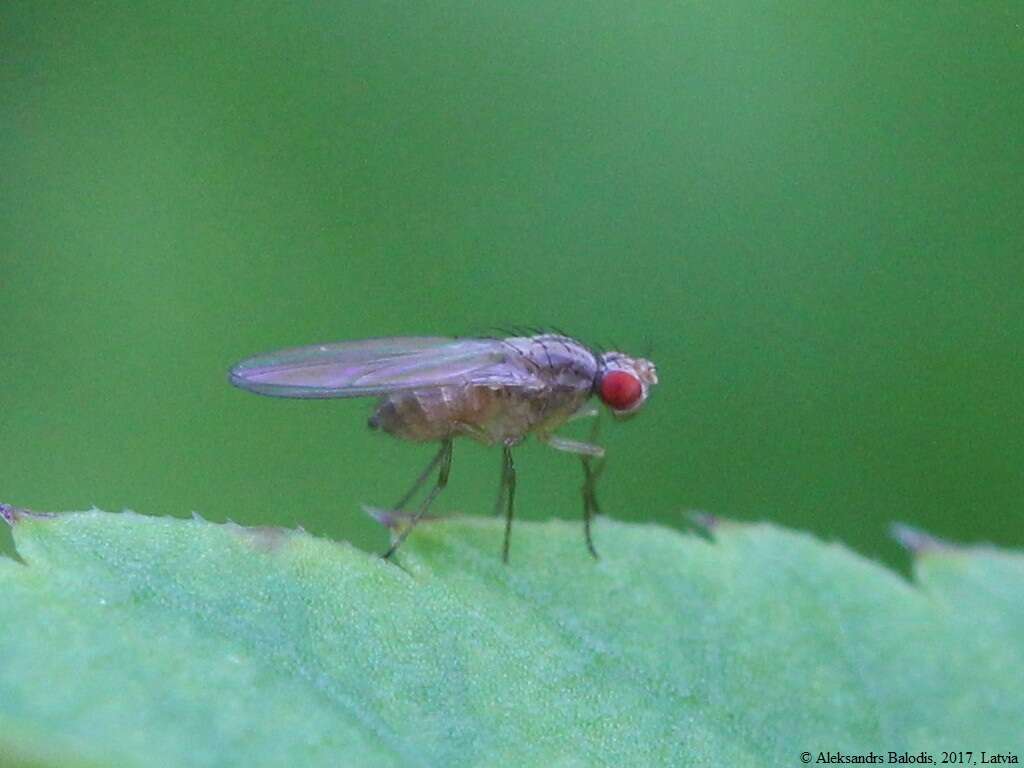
{"x":134,"y":641}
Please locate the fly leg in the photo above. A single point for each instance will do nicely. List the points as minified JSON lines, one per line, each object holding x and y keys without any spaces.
{"x":590,"y":505}
{"x":400,"y":504}
{"x":590,"y":475}
{"x":444,"y":457}
{"x":592,"y":458}
{"x":507,"y":493}
{"x":389,"y":516}
{"x":499,"y":503}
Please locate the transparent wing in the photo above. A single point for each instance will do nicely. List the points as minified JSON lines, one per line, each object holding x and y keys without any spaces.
{"x":378,"y":366}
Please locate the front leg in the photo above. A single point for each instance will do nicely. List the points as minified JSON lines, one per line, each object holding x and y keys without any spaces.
{"x":592,"y":458}
{"x":590,"y":505}
{"x":575,"y":446}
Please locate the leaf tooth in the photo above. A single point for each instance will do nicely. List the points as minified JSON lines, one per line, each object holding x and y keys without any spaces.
{"x":704,"y":520}
{"x":395,"y":519}
{"x":918,"y":541}
{"x":8,"y":513}
{"x":267,"y":538}
{"x":385,"y":517}
{"x":12,"y":515}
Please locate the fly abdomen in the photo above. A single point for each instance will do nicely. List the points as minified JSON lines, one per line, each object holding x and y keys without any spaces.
{"x":486,"y":414}
{"x":418,"y":416}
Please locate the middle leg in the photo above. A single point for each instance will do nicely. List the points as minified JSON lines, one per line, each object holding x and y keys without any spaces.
{"x":508,"y":492}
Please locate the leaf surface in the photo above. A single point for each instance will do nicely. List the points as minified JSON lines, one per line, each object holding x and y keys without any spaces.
{"x":130,"y":640}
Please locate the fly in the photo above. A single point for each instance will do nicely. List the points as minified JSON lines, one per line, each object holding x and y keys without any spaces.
{"x":494,"y":391}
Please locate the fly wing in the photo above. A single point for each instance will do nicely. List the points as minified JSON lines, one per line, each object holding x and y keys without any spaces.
{"x":378,"y":366}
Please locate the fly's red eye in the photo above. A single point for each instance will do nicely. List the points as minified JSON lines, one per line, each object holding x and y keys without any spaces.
{"x":620,"y":390}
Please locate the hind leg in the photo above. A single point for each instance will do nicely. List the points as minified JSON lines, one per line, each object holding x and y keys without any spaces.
{"x":444,"y":458}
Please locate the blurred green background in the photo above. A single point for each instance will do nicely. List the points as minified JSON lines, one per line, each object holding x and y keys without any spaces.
{"x":809,"y":213}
